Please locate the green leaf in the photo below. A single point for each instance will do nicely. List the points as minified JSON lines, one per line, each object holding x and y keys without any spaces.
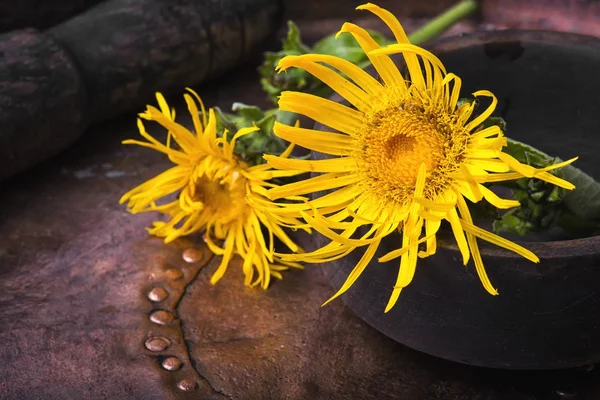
{"x":584,"y":201}
{"x":529,"y":155}
{"x":544,"y":205}
{"x":346,"y":47}
{"x":296,"y":79}
{"x":225,"y":121}
{"x":293,"y":41}
{"x":246,"y":114}
{"x":286,"y":117}
{"x":494,"y":121}
{"x":512,"y":222}
{"x":252,"y":146}
{"x":466,"y":100}
{"x":483,"y":210}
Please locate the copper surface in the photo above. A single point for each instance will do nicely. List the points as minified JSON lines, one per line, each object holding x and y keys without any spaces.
{"x":76,"y":271}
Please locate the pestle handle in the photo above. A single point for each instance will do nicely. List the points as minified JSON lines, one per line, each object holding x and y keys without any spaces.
{"x":111,"y":60}
{"x":43,"y":101}
{"x":129,"y":49}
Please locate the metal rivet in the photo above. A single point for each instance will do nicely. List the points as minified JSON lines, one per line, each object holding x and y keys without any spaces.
{"x":187,"y":385}
{"x":158,"y":294}
{"x":171,"y":363}
{"x":157,"y":343}
{"x":161,"y":317}
{"x":174,"y":273}
{"x":192,"y":255}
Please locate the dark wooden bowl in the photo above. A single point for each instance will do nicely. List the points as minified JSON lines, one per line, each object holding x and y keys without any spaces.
{"x":547,"y":315}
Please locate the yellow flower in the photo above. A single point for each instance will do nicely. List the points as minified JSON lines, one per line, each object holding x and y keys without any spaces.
{"x":403,"y":158}
{"x":212,"y":188}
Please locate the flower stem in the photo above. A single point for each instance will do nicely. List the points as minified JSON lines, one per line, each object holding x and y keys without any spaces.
{"x":443,"y":22}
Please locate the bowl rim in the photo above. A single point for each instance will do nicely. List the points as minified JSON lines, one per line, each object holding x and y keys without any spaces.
{"x":451,"y":43}
{"x":543,"y":249}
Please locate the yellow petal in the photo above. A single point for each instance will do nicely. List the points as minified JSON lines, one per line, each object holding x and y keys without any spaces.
{"x":486,"y":133}
{"x":164,"y":107}
{"x":384,"y":65}
{"x":483,"y":277}
{"x":496,"y":201}
{"x":276,"y":230}
{"x":357,"y":271}
{"x":348,"y":90}
{"x":408,"y":265}
{"x":321,"y":141}
{"x":435,"y":205}
{"x":531,"y":172}
{"x":453,"y":99}
{"x":491,"y":178}
{"x":229,"y":243}
{"x":492,"y":165}
{"x":324,"y":111}
{"x":404,"y":249}
{"x":499,"y":241}
{"x":199,"y":100}
{"x":320,"y":183}
{"x":459,"y":234}
{"x":431,"y":229}
{"x":412,"y":61}
{"x":338,"y":164}
{"x":181,"y":134}
{"x":410,"y":51}
{"x":320,"y":226}
{"x":242,"y":132}
{"x":488,"y":111}
{"x":352,"y":71}
{"x":389,"y":19}
{"x":193,"y":110}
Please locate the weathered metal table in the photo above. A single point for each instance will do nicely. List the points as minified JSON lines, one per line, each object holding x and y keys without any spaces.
{"x":91,"y":307}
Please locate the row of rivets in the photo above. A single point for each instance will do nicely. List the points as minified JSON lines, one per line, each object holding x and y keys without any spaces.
{"x":163,"y":317}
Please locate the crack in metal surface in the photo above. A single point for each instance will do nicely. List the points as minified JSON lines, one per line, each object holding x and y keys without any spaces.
{"x":185,"y":342}
{"x":193,"y":365}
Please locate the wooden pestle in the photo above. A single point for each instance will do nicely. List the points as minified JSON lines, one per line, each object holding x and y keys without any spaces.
{"x":43,"y":101}
{"x":112,"y":59}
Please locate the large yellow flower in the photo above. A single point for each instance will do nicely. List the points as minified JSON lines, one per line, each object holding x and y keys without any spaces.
{"x":403,"y":157}
{"x":212,"y":188}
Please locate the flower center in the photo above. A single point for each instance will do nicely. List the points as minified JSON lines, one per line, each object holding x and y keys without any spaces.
{"x":396,"y":141}
{"x":223,"y":197}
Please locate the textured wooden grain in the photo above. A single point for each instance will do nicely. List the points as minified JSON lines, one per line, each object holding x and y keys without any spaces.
{"x":111,"y":60}
{"x":43,"y":103}
{"x":129,"y":49}
{"x":42,"y":14}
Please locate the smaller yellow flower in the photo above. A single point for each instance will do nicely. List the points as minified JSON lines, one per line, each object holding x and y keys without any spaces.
{"x":213,"y":189}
